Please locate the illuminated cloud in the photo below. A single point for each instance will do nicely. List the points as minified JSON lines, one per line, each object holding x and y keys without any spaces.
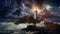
{"x":48,"y":7}
{"x":59,"y":6}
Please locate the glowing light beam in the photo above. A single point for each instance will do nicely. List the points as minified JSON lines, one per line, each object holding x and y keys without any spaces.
{"x":36,"y":8}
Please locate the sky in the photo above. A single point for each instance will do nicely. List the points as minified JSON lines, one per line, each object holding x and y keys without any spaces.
{"x":12,"y":10}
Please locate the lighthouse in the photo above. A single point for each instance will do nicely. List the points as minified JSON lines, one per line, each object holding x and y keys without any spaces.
{"x":35,"y":15}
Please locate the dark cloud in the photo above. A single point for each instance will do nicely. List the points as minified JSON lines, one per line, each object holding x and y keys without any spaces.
{"x":54,"y":2}
{"x":39,"y":1}
{"x":10,"y":10}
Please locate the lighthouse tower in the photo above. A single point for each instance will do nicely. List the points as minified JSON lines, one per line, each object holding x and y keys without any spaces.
{"x":35,"y":15}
